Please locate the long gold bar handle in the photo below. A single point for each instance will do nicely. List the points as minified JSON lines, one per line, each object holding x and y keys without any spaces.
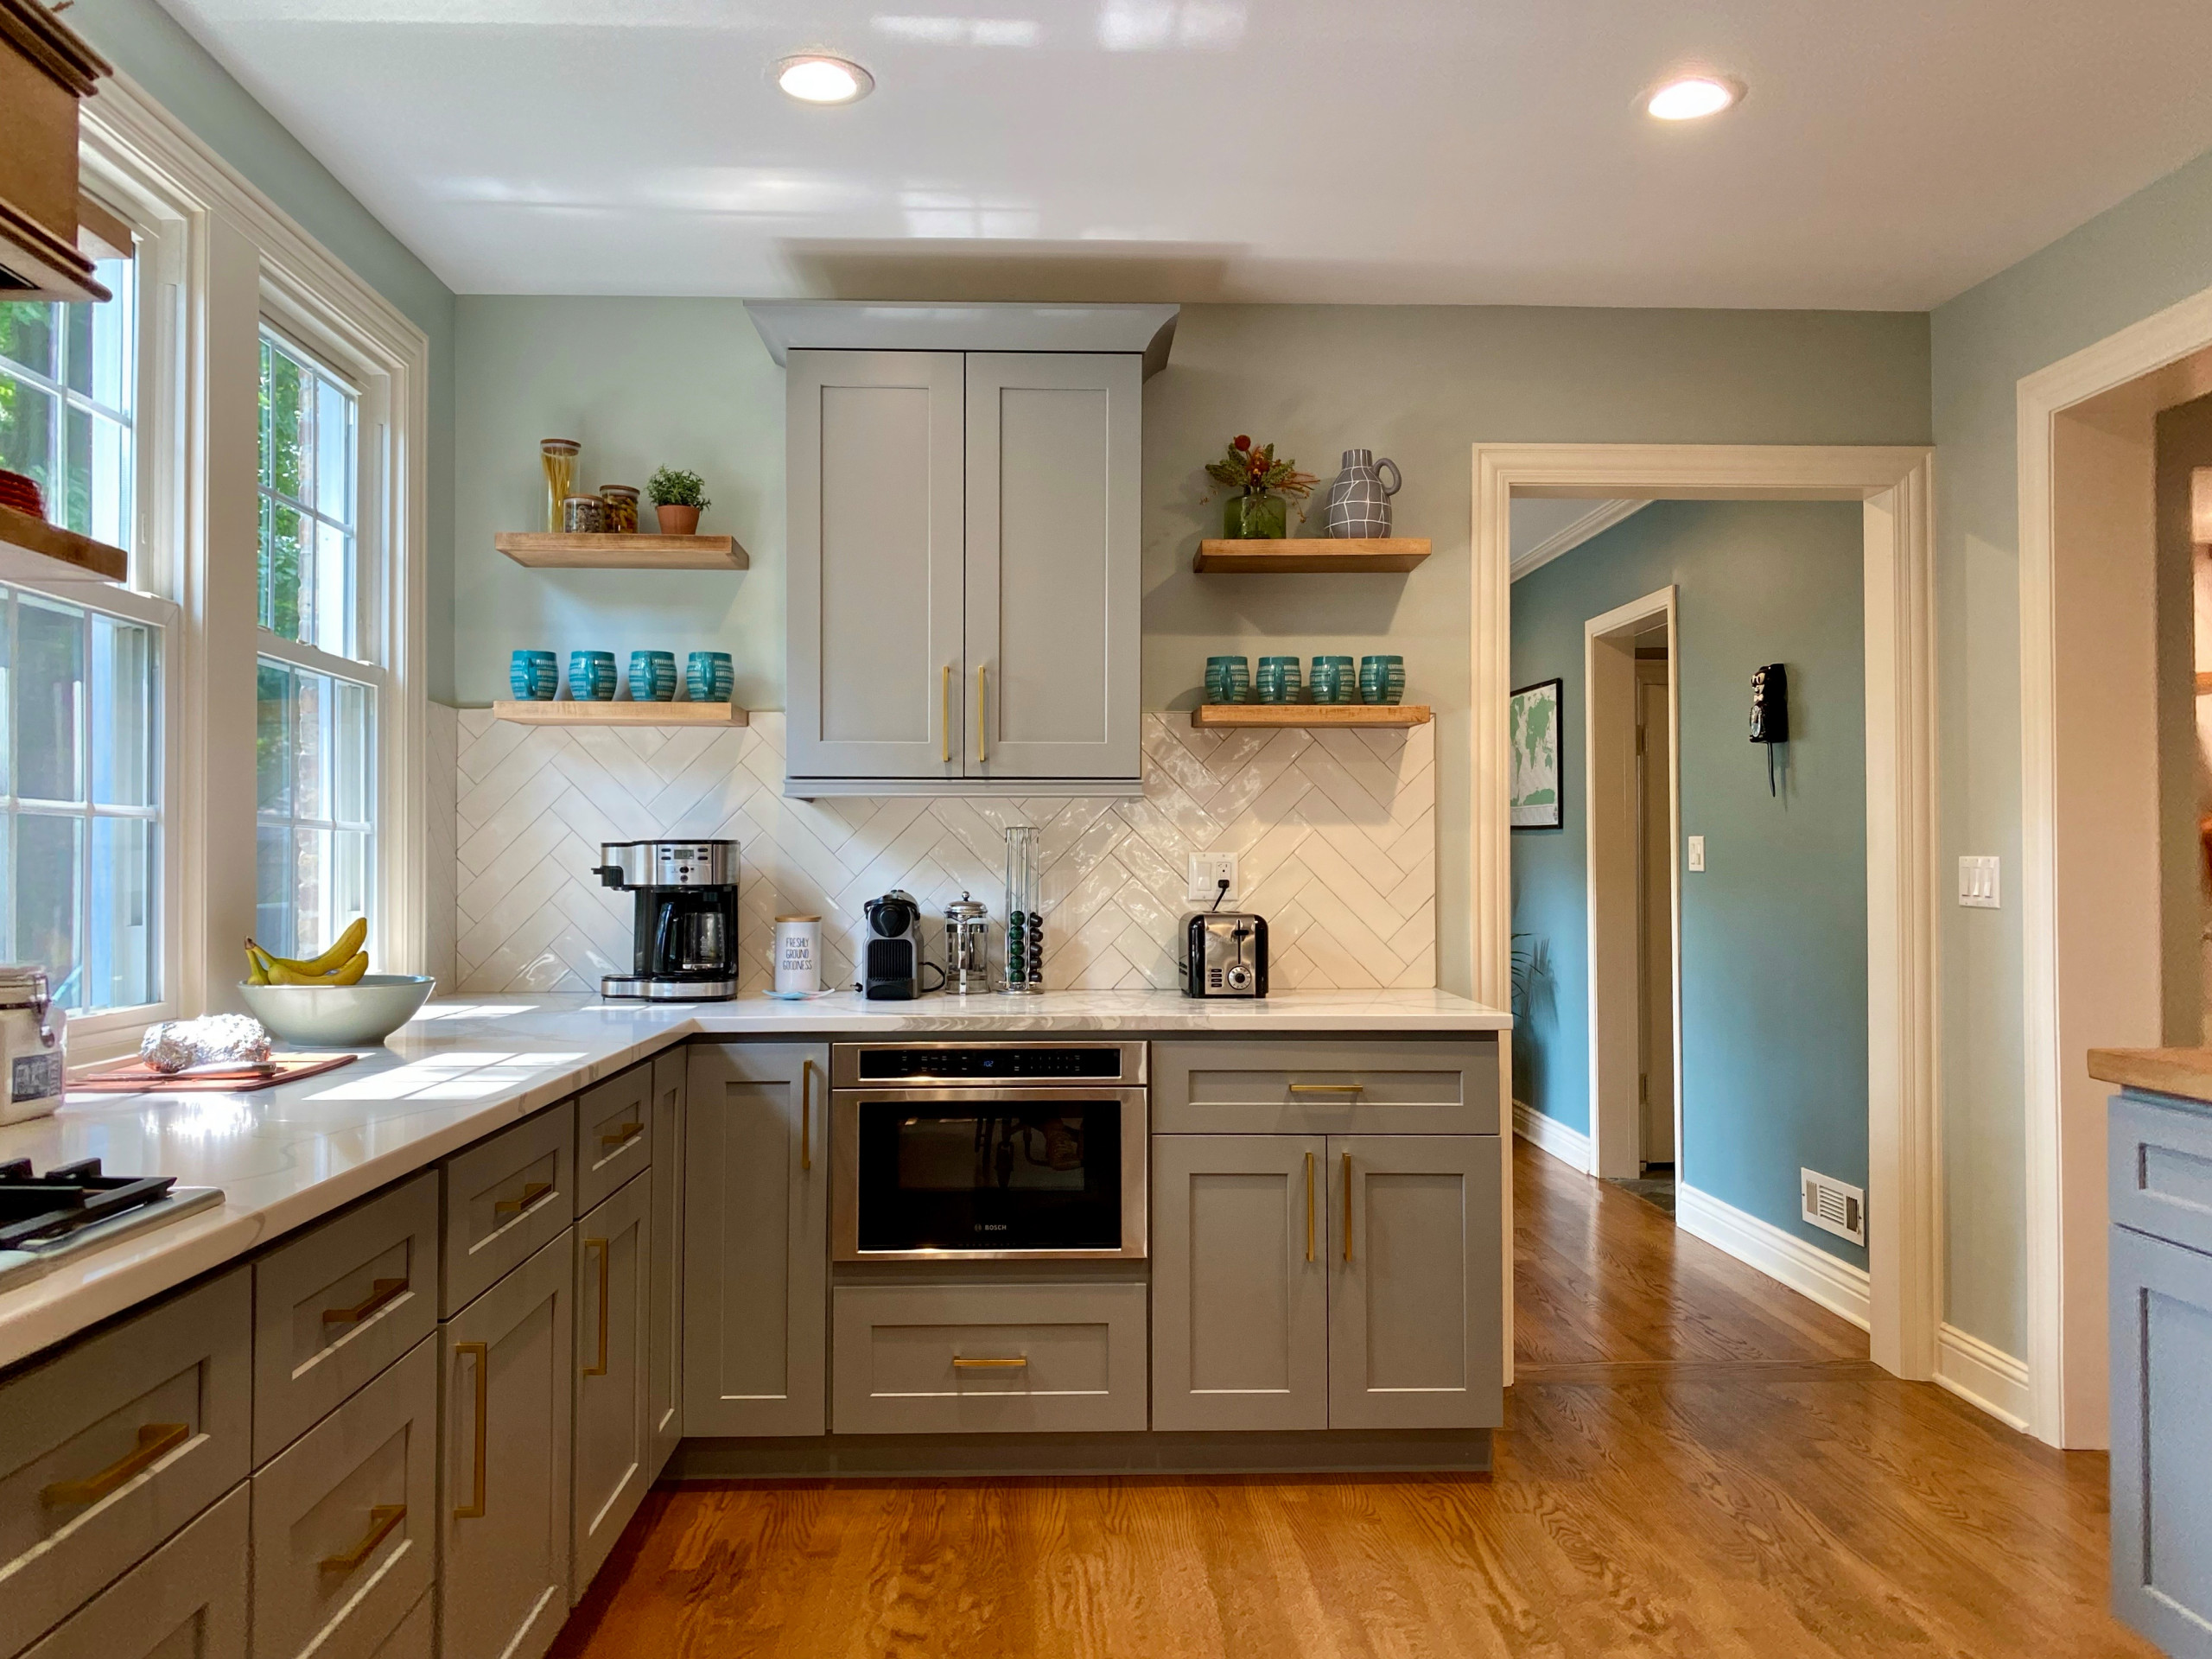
{"x":1015,"y":1364}
{"x":622,"y":1132}
{"x":156,"y":1442}
{"x":482,"y":1351}
{"x":1328,"y":1089}
{"x":383,"y":1292}
{"x":1347,"y":1206}
{"x":600,"y":1245}
{"x":806,"y":1115}
{"x":531,"y":1192}
{"x":382,"y":1519}
{"x":982,"y":718}
{"x":944,"y":726}
{"x":1309,"y":1206}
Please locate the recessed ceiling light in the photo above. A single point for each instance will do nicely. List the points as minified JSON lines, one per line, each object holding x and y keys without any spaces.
{"x":813,"y":78}
{"x":1688,"y":97}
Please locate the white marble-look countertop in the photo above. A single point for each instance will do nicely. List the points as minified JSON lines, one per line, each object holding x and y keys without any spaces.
{"x":460,"y":1070}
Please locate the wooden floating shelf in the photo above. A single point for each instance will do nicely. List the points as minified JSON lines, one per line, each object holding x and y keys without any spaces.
{"x":1377,"y":714}
{"x":600,"y":550}
{"x":31,"y":547}
{"x":1311,"y":553}
{"x":567,"y":712}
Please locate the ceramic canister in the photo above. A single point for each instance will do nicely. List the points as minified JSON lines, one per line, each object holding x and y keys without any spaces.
{"x":798,"y":954}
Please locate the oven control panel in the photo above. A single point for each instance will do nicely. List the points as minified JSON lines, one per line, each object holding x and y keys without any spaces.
{"x":922,"y":1064}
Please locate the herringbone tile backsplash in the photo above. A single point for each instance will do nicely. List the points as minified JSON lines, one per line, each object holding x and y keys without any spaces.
{"x":1335,"y":831}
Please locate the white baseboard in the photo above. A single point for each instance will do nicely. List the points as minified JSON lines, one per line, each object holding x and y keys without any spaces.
{"x":1549,"y":1134}
{"x":1837,"y":1285}
{"x":1983,"y":1376}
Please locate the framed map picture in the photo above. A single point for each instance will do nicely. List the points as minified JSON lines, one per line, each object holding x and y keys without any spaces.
{"x":1534,"y":763}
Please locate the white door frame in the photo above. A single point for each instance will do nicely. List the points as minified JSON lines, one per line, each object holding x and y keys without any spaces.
{"x":1903,"y":1118}
{"x":2089,"y":900}
{"x":1613,"y":849}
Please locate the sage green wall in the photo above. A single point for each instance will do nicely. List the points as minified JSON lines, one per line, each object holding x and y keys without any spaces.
{"x":147,"y":44}
{"x":2134,"y":259}
{"x":643,"y":380}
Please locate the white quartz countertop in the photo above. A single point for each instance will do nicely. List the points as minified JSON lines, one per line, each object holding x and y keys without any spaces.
{"x":460,"y":1070}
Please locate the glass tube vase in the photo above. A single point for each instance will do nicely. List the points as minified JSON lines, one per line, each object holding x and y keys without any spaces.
{"x":1024,"y":972}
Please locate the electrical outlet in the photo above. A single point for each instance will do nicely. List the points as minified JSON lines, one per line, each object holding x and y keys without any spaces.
{"x":1208,"y":871}
{"x":1978,"y":882}
{"x":1697,"y":852}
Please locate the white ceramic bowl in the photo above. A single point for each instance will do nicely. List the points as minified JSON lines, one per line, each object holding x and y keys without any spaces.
{"x":339,"y":1016}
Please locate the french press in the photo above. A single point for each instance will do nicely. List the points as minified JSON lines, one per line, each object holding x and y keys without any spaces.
{"x":967,"y":946}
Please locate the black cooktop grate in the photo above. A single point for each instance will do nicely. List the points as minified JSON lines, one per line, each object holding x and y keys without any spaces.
{"x":67,"y":1198}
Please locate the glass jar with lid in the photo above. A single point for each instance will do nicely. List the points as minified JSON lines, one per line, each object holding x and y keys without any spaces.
{"x":558,"y":456}
{"x":33,"y":1044}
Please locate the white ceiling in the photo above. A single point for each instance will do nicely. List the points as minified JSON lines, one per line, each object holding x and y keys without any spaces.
{"x":1890,"y":154}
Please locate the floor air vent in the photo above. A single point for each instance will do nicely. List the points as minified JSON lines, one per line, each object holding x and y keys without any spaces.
{"x":1832,"y":1205}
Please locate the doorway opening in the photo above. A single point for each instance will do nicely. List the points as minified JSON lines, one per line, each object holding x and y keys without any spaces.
{"x":1655,"y":815}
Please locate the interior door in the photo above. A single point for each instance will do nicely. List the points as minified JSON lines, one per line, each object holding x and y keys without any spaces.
{"x":1655,"y":911}
{"x":1054,"y":459}
{"x":874,"y":551}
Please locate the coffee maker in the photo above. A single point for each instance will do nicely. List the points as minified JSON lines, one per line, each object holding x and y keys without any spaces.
{"x":685,"y":930}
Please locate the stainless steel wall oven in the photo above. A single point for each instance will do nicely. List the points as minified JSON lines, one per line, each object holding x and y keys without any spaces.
{"x":988,"y":1151}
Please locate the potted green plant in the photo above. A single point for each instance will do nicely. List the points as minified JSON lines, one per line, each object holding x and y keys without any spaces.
{"x":1261,"y":488}
{"x":678,"y":497}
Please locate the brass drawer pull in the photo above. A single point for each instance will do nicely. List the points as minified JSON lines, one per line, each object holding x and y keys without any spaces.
{"x":982,"y":719}
{"x":1328,"y":1089}
{"x":598,"y":1368}
{"x":1347,"y":1206}
{"x":1014,"y":1363}
{"x":945,"y":726}
{"x":531,"y":1192}
{"x":156,"y":1442}
{"x":381,"y":1294}
{"x":1309,"y":1206}
{"x":622,"y":1132}
{"x":806,"y":1115}
{"x":382,"y":1519}
{"x":481,"y":1352}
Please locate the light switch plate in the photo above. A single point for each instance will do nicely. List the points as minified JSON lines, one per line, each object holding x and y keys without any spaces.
{"x":1978,"y":882}
{"x":1697,"y":852}
{"x":1207,"y":871}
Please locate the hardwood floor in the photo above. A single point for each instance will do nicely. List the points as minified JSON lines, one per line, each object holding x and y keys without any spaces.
{"x":1697,"y":1462}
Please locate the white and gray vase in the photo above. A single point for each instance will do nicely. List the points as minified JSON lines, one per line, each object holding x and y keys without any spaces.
{"x":1359,"y":501}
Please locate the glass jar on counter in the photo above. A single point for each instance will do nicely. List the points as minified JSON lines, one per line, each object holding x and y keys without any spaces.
{"x":618,"y":507}
{"x":33,"y":1044}
{"x":558,"y":456}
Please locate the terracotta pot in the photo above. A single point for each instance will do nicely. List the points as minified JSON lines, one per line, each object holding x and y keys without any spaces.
{"x":677,"y":521}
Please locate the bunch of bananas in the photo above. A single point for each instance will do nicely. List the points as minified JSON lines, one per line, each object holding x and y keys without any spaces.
{"x":342,"y":964}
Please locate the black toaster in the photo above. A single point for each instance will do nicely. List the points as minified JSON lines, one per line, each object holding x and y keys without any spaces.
{"x":1224,"y":954}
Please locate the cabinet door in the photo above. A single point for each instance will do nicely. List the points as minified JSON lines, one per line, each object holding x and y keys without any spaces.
{"x":503,"y":1523}
{"x":1415,"y":1282}
{"x":1240,"y":1322}
{"x":874,"y":660}
{"x":2161,"y":1446}
{"x":187,"y":1600}
{"x":756,"y":1239}
{"x":1054,"y":585}
{"x":664,"y":1371}
{"x":613,"y":1438}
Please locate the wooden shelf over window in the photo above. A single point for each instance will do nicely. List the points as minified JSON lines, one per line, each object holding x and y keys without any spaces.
{"x":1306,"y":553}
{"x":620,"y":714}
{"x":1376,"y":715}
{"x":617,"y":552}
{"x":31,"y":547}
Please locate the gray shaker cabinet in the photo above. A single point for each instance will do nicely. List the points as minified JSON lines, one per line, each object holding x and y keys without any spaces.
{"x":613,"y":1356}
{"x":664,"y":1369}
{"x":756,"y":1239}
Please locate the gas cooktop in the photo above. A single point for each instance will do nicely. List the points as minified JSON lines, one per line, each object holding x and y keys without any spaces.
{"x":74,"y":1207}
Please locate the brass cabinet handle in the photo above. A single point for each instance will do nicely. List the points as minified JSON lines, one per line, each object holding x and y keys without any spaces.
{"x":806,"y":1115}
{"x":1328,"y":1089}
{"x":982,"y":740}
{"x":944,"y":726}
{"x":1347,"y":1206}
{"x":531,"y":1192}
{"x":622,"y":1132}
{"x":156,"y":1442}
{"x":482,"y":1351}
{"x":383,"y":1292}
{"x":1014,"y":1363}
{"x":599,"y":1368}
{"x":1309,"y":1206}
{"x":382,"y":1519}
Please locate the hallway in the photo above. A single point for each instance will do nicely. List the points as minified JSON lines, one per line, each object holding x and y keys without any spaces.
{"x":1696,"y":1462}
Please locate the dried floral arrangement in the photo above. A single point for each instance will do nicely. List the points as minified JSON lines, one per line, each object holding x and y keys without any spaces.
{"x":1255,"y":471}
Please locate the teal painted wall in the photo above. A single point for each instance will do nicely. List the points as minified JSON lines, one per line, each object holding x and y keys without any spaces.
{"x":2137,"y":258}
{"x":147,"y":44}
{"x":1774,"y":930}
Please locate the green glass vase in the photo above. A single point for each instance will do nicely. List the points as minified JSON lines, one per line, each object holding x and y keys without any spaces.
{"x":1256,"y":518}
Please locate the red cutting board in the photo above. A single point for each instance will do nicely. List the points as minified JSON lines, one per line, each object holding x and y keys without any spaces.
{"x":137,"y":1077}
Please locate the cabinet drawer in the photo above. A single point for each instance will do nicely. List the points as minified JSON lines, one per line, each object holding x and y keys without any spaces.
{"x":614,"y":1134}
{"x":345,"y":1524}
{"x":115,"y":1444}
{"x":507,"y":1200}
{"x":933,"y":1359}
{"x":416,"y":1636}
{"x":2161,"y":1170}
{"x":334,"y":1307}
{"x":187,"y":1597}
{"x":1297,"y":1086}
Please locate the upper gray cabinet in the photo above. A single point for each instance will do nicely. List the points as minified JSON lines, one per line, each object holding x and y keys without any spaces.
{"x":965,"y":587}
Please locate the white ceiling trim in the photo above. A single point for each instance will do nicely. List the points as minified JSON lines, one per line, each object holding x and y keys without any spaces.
{"x":1602,"y":515}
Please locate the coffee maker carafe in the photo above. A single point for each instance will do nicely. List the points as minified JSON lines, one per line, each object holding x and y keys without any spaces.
{"x":683,"y":932}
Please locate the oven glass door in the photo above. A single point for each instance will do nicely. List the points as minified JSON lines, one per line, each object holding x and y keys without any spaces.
{"x":1041,"y":1171}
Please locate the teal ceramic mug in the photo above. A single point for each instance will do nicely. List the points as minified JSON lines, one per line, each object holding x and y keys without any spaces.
{"x":1278,"y":680}
{"x":591,"y":676}
{"x":1332,"y":679}
{"x":708,"y":677}
{"x":1229,"y":679}
{"x":652,"y":675}
{"x":1382,"y":678}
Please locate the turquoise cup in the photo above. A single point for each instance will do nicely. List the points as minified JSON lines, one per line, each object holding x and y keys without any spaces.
{"x":1332,"y":679}
{"x":534,"y":676}
{"x":1229,"y":679}
{"x":1382,"y":679}
{"x":591,"y":676}
{"x":1278,"y":679}
{"x":708,"y":677}
{"x":652,"y":675}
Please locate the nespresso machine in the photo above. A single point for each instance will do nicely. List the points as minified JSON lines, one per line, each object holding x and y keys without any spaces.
{"x":684,"y":934}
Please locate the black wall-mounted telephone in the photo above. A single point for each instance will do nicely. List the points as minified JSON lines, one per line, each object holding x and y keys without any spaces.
{"x":1771,"y":714}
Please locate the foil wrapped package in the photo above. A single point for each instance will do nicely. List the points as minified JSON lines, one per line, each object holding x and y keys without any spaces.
{"x":212,"y":1039}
